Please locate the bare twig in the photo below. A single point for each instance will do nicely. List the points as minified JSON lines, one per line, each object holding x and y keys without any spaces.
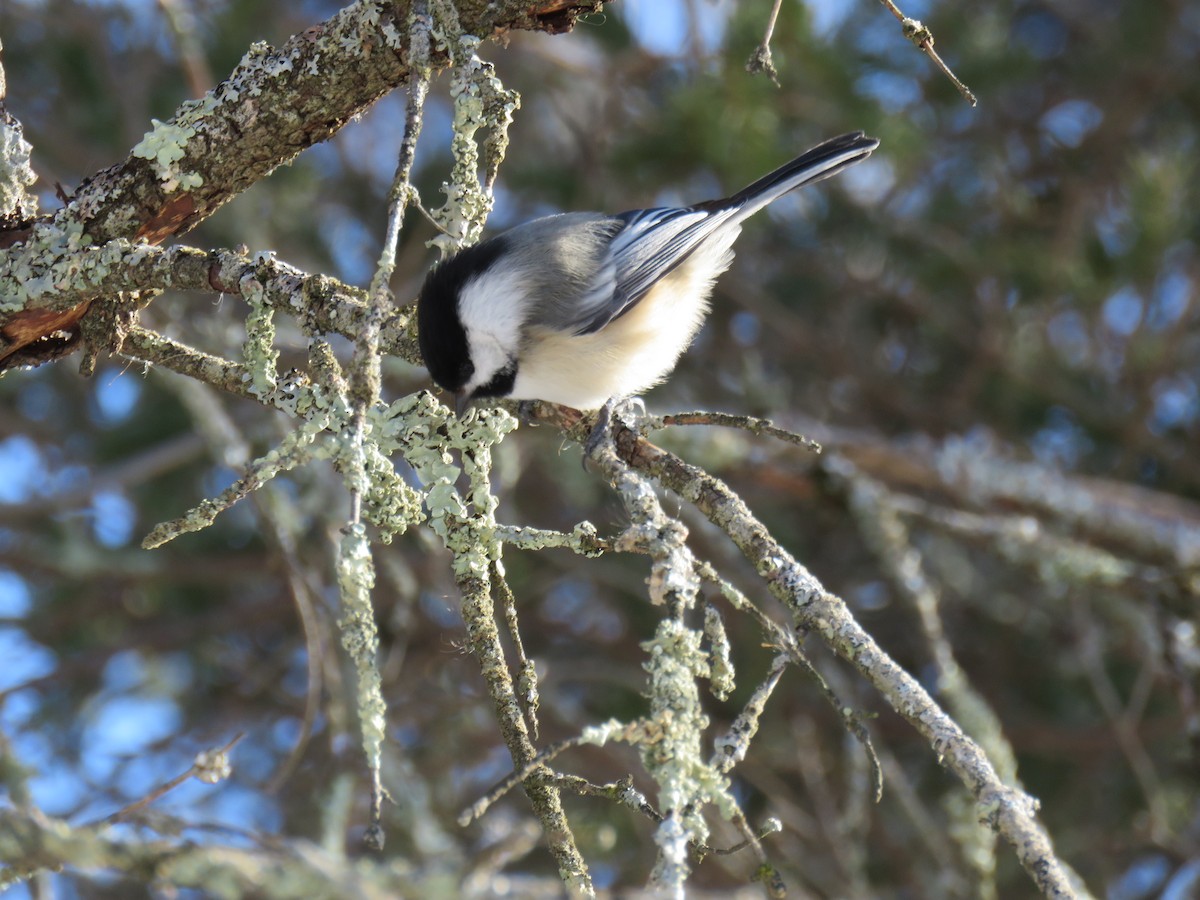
{"x":623,"y":792}
{"x":211,"y":766}
{"x":751,"y":424}
{"x":544,"y":756}
{"x":306,"y":608}
{"x":1123,"y":722}
{"x":920,"y":35}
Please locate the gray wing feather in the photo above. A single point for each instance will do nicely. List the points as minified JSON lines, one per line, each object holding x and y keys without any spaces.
{"x":586,"y":269}
{"x":650,"y":244}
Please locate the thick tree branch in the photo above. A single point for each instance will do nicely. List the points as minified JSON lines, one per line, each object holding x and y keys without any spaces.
{"x":275,"y":104}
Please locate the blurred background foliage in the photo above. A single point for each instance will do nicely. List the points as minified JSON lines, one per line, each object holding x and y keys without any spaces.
{"x":1022,"y":274}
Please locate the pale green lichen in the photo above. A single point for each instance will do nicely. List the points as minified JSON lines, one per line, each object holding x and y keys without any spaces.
{"x":730,"y":748}
{"x":361,"y":438}
{"x":721,"y":674}
{"x":672,"y":868}
{"x":670,"y":744}
{"x":360,"y":637}
{"x":192,"y":113}
{"x":475,"y":546}
{"x":445,"y":28}
{"x":390,"y":504}
{"x":361,"y":447}
{"x":670,"y":738}
{"x":583,"y":538}
{"x":258,"y":58}
{"x":258,"y":350}
{"x":427,"y":440}
{"x":377,"y":19}
{"x":673,"y":574}
{"x":612,"y":730}
{"x":480,"y":102}
{"x":58,"y":266}
{"x":16,"y":174}
{"x":675,"y":759}
{"x":358,"y":28}
{"x":164,"y":147}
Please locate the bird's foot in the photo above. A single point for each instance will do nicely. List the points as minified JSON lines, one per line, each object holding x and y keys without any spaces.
{"x":627,"y":410}
{"x":525,"y":412}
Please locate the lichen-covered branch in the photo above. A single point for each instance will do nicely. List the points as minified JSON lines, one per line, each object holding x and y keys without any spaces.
{"x":272,"y":106}
{"x":321,"y":305}
{"x":16,"y":176}
{"x":301,"y":869}
{"x":670,"y":738}
{"x":356,"y":566}
{"x":1010,"y":811}
{"x":275,"y":104}
{"x":468,"y":527}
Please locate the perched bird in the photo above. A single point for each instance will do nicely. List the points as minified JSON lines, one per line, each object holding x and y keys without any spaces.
{"x":585,"y":308}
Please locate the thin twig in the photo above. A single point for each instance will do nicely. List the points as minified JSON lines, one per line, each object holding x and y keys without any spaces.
{"x":751,"y":838}
{"x":760,"y":59}
{"x":622,"y":792}
{"x":751,"y":424}
{"x":480,"y":806}
{"x":302,"y":597}
{"x":920,"y":35}
{"x":627,"y":795}
{"x":1090,"y":652}
{"x":210,"y":766}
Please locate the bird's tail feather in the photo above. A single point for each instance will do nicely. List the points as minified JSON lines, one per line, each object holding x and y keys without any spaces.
{"x":820,"y":162}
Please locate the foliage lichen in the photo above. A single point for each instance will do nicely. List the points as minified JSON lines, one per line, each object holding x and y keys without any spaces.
{"x":164,"y":147}
{"x":480,"y":102}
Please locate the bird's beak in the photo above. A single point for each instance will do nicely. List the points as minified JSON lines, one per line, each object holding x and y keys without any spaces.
{"x":462,"y":403}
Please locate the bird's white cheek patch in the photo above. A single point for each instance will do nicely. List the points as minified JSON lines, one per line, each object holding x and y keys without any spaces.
{"x":491,"y":308}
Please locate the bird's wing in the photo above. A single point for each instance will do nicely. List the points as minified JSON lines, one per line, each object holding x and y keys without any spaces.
{"x":646,"y":244}
{"x":649,"y":244}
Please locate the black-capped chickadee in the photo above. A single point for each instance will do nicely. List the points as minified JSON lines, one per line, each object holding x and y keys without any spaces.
{"x":583,"y":308}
